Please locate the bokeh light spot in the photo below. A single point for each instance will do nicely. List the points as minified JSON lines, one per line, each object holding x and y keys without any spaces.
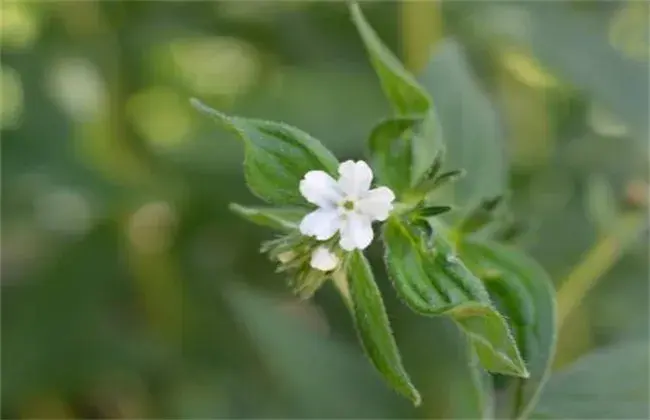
{"x":19,"y":25}
{"x":77,"y":86}
{"x":150,"y":227}
{"x":629,"y":31}
{"x":11,"y":107}
{"x":603,"y":122}
{"x":63,"y":210}
{"x":527,"y":70}
{"x":217,"y":65}
{"x":160,"y":115}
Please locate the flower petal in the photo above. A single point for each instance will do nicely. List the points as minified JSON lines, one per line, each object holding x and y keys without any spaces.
{"x":356,"y":232}
{"x":319,"y":188}
{"x":323,"y":259}
{"x":355,"y":178}
{"x":377,"y":203}
{"x":321,"y":223}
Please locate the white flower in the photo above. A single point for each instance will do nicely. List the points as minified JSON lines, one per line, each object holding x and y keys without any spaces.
{"x":323,"y":259}
{"x":348,"y":206}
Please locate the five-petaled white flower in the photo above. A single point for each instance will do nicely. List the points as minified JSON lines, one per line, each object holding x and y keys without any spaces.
{"x":348,"y":206}
{"x":323,"y":259}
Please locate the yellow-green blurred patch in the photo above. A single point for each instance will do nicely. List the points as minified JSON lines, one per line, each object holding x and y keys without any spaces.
{"x":19,"y":25}
{"x":160,"y":115}
{"x":102,"y":145}
{"x":222,"y":66}
{"x":77,"y":87}
{"x":526,"y":69}
{"x":531,"y":140}
{"x":629,"y":31}
{"x":11,"y":107}
{"x":603,"y":122}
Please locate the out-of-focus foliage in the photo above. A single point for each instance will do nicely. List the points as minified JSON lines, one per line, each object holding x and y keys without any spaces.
{"x":129,"y":289}
{"x":583,"y":390}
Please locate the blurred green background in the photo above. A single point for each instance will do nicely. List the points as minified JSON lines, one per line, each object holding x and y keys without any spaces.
{"x":130,"y":291}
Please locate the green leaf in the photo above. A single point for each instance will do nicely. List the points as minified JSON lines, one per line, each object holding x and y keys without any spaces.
{"x":470,"y":123}
{"x":373,"y":327}
{"x":391,"y":152}
{"x":489,"y":332}
{"x":285,"y":219}
{"x":404,"y":92}
{"x":277,"y":155}
{"x":527,"y":298}
{"x":432,"y":281}
{"x":610,"y":383}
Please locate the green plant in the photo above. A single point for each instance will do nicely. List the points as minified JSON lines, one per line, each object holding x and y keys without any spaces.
{"x":458,"y":267}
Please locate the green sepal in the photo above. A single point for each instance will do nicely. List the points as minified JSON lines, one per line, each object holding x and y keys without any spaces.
{"x":480,"y":215}
{"x":426,"y":186}
{"x":432,"y":211}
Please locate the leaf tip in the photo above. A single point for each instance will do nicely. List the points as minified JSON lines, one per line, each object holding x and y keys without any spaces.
{"x":234,"y":207}
{"x":358,"y":18}
{"x":203,"y":108}
{"x":354,"y":8}
{"x":522,"y":370}
{"x":198,"y":105}
{"x":518,"y":367}
{"x":416,"y":398}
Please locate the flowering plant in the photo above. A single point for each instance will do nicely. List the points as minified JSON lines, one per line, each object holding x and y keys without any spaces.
{"x":499,"y":298}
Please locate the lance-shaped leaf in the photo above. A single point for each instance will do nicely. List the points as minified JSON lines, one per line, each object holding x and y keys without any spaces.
{"x":433,"y":281}
{"x":373,"y":327}
{"x":391,"y":152}
{"x":277,"y":155}
{"x":404,"y":92}
{"x":525,"y":295}
{"x":285,"y":219}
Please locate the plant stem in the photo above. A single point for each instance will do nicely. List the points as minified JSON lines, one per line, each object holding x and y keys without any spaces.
{"x":597,"y":261}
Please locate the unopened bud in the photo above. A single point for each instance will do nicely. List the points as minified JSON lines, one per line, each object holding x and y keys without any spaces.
{"x":286,"y":256}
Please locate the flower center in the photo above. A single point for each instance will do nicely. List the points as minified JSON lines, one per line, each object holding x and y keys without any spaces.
{"x":348,"y":205}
